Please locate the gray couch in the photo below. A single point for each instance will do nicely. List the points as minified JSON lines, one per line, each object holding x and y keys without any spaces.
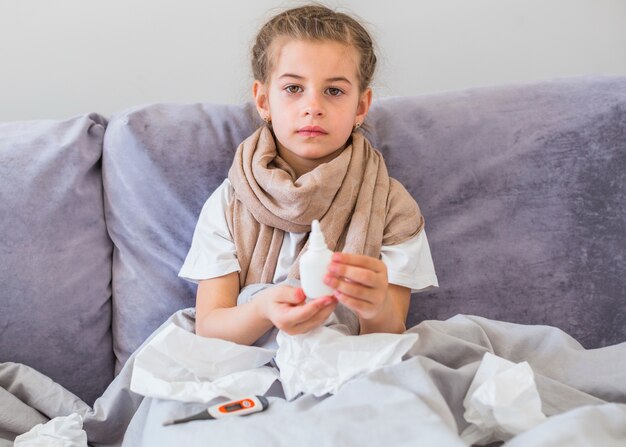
{"x":522,"y":186}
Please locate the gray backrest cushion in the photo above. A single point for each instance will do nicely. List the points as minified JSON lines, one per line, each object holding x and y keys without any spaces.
{"x":524,"y":192}
{"x":160,"y":163}
{"x":521,"y":186}
{"x":55,"y":254}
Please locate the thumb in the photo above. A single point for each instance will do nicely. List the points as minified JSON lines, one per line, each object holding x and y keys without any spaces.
{"x":294,"y":295}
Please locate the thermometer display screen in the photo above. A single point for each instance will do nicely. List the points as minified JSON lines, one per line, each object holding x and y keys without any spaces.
{"x":233,"y":407}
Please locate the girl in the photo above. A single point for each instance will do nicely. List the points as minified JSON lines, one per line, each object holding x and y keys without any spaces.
{"x":312,"y":69}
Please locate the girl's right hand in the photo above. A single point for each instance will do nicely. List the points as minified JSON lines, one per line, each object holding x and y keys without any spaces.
{"x":286,"y":308}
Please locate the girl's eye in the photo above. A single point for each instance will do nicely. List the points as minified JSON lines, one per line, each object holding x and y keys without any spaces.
{"x":334,"y":91}
{"x":293,"y":89}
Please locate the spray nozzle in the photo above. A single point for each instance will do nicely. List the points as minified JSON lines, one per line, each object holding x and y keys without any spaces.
{"x":316,"y":237}
{"x":315,"y":226}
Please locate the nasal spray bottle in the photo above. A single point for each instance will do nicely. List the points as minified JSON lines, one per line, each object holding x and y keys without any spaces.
{"x":314,"y":264}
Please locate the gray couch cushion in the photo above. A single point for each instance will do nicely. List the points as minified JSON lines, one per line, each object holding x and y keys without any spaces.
{"x":55,"y":254}
{"x":160,"y":164}
{"x":524,"y":192}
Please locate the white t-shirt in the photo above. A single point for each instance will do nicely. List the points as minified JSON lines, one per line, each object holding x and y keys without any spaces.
{"x":212,"y":252}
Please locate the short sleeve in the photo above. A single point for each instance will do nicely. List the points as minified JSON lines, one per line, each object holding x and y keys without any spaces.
{"x":212,"y":252}
{"x":410,"y":264}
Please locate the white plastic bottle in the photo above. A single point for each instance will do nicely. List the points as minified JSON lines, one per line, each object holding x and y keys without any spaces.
{"x":314,"y":264}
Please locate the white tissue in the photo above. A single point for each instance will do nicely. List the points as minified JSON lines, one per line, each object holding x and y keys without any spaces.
{"x":502,"y":401}
{"x":321,"y":361}
{"x":179,"y":365}
{"x":64,"y":431}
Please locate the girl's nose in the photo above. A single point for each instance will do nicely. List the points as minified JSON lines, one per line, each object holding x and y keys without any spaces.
{"x":314,"y":107}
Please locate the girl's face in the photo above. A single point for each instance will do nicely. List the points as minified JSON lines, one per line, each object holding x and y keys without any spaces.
{"x":313,"y":100}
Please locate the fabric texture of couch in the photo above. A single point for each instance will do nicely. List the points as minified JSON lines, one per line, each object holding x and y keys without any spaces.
{"x":522,"y":187}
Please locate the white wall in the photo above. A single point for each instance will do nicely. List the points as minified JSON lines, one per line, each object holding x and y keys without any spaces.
{"x":66,"y":57}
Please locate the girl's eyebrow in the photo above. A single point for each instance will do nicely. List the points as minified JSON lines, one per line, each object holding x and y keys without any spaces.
{"x":334,"y":79}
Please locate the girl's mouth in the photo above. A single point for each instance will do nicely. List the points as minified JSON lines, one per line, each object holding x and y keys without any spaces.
{"x":312,"y":131}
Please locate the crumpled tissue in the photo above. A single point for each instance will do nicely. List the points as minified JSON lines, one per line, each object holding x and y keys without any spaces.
{"x":501,"y":402}
{"x":63,"y":431}
{"x":179,"y":365}
{"x":322,"y":360}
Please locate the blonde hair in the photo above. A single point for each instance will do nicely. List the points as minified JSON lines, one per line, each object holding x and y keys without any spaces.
{"x":316,"y":23}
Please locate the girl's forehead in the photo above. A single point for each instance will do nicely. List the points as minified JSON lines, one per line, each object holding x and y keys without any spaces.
{"x":336,"y":58}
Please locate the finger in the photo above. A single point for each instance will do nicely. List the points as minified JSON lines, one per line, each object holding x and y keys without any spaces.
{"x":307,"y":311}
{"x":363,"y":297}
{"x":367,"y":262}
{"x":364,"y":276}
{"x":317,"y":319}
{"x":360,"y":307}
{"x":355,"y":289}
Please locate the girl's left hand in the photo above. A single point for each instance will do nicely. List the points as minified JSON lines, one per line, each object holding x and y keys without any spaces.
{"x":360,"y":283}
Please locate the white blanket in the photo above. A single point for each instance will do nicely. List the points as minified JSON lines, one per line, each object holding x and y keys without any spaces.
{"x":419,"y":401}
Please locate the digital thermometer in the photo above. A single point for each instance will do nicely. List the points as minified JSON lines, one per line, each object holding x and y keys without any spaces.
{"x":239,"y":407}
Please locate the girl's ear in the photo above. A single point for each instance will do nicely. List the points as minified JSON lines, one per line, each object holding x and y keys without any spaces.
{"x":261,"y":99}
{"x":364,"y":105}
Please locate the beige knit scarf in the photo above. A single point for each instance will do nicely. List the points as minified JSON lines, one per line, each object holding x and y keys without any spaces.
{"x":360,"y":208}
